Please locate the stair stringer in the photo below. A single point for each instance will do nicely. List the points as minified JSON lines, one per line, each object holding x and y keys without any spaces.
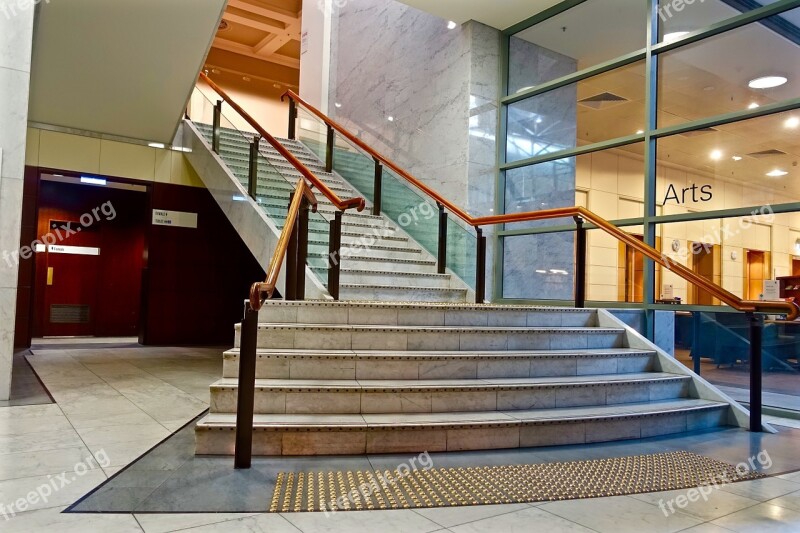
{"x":255,"y":228}
{"x":700,"y":388}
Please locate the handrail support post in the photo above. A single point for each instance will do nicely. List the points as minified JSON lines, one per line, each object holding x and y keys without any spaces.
{"x":480,"y":269}
{"x":335,"y":254}
{"x":377,"y":188}
{"x":302,"y":249}
{"x":292,"y":119}
{"x":441,"y":264}
{"x":215,"y":130}
{"x":291,"y":261}
{"x":756,"y":338}
{"x":331,"y":138}
{"x":580,"y":263}
{"x":245,"y":403}
{"x":252,"y":174}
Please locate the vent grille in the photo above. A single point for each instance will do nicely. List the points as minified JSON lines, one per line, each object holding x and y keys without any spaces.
{"x":603,"y":101}
{"x":69,"y":314}
{"x":766,"y":153}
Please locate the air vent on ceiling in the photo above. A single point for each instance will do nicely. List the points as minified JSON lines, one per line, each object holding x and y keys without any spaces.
{"x":697,"y":133}
{"x":603,"y":101}
{"x":766,"y":153}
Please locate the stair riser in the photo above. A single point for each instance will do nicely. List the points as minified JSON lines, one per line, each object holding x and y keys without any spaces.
{"x":332,"y":313}
{"x":221,"y":441}
{"x":443,"y":368}
{"x":381,"y":278}
{"x":387,"y":265}
{"x":373,"y":294}
{"x":223,"y":399}
{"x":438,"y":340}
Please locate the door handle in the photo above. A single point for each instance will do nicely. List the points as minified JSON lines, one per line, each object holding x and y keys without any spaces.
{"x":49,"y":276}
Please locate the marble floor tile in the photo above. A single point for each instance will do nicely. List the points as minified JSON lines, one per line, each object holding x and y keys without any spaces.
{"x":715,"y":504}
{"x":619,"y":514}
{"x":524,"y":521}
{"x":165,"y":523}
{"x":763,"y":518}
{"x":54,"y":520}
{"x":789,"y":501}
{"x":401,"y":521}
{"x":28,"y":464}
{"x":12,"y":490}
{"x":453,"y":516}
{"x":762,"y":489}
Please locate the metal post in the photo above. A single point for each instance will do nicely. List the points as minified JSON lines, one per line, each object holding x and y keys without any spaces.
{"x":697,"y":320}
{"x":252,"y":175}
{"x":292,"y":119}
{"x":580,"y":264}
{"x":215,"y":133}
{"x":480,"y":272}
{"x":376,"y":203}
{"x":334,"y":255}
{"x":329,"y":150}
{"x":243,"y":452}
{"x":291,"y":262}
{"x":756,"y":336}
{"x":441,"y":264}
{"x":302,"y":249}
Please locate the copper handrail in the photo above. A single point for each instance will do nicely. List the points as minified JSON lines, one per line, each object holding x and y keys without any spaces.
{"x":358,"y":202}
{"x":791,"y":309}
{"x":262,"y":291}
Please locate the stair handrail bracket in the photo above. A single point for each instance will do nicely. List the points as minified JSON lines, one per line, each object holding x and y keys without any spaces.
{"x":791,"y":309}
{"x":358,"y":203}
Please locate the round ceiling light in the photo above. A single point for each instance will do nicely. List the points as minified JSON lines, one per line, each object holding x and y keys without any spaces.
{"x":767,"y":82}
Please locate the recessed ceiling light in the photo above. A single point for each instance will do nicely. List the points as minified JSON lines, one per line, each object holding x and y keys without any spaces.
{"x":737,"y":158}
{"x":716,"y":155}
{"x":390,"y":119}
{"x":753,"y":106}
{"x":156,"y":145}
{"x":451,"y":25}
{"x":674,"y":36}
{"x":777,"y":173}
{"x":246,"y":78}
{"x":338,"y":105}
{"x":639,"y":132}
{"x":538,"y":120}
{"x":767,"y":82}
{"x":93,"y":181}
{"x":792,"y":122}
{"x":541,"y":271}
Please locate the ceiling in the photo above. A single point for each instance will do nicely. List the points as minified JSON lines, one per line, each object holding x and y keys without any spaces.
{"x":499,"y":14}
{"x":114,"y":68}
{"x":266,"y":31}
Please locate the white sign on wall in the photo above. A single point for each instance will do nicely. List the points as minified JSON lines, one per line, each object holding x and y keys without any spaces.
{"x":668,"y":292}
{"x":66,"y":250}
{"x":772,"y":289}
{"x":177,"y":219}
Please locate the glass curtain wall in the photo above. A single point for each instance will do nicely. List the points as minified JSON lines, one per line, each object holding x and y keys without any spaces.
{"x":679,"y":122}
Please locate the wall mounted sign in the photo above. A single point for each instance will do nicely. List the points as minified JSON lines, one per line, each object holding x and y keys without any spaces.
{"x":668,"y":292}
{"x":67,"y":250}
{"x":705,"y":194}
{"x":772,"y":289}
{"x":177,"y":219}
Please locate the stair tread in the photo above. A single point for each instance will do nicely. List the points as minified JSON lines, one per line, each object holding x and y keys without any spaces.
{"x":457,"y":419}
{"x":444,"y":329}
{"x":456,"y":306}
{"x":427,"y":384}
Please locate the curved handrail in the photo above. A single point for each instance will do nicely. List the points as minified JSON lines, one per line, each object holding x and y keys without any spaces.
{"x":791,"y":309}
{"x":357,"y":202}
{"x":262,"y":291}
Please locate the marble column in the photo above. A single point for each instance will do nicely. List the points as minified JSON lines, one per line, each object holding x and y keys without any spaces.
{"x":16,"y":36}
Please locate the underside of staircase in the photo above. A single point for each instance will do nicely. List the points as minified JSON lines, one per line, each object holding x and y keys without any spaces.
{"x":360,"y":377}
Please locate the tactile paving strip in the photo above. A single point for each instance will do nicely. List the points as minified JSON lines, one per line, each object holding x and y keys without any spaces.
{"x":451,"y":487}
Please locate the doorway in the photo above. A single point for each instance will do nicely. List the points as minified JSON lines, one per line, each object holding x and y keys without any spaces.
{"x":756,"y":271}
{"x":795,"y":266}
{"x":705,"y":262}
{"x":89,"y":257}
{"x":631,"y":282}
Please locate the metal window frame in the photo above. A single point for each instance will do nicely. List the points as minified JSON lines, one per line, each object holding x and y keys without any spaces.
{"x":650,"y":54}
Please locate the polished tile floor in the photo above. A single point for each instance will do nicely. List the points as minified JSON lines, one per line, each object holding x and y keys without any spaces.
{"x":115,"y":403}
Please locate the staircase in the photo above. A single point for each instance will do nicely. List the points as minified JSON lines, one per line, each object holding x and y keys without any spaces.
{"x":357,"y":377}
{"x":380,"y":262}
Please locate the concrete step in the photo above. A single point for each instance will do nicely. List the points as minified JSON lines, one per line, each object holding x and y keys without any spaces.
{"x":398,"y":364}
{"x":383,"y":278}
{"x":382,"y":262}
{"x":295,"y":396}
{"x":315,"y":434}
{"x":425,"y":338}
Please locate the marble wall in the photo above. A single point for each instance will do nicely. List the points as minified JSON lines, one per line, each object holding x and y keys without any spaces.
{"x":16,"y":37}
{"x":421,"y":94}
